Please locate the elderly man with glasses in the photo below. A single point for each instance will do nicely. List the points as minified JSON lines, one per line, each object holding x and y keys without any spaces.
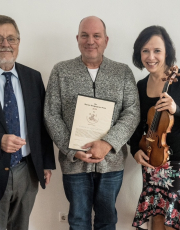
{"x":26,"y":152}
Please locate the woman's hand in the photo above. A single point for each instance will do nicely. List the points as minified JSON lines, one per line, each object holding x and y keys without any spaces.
{"x":166,"y":103}
{"x":141,"y":158}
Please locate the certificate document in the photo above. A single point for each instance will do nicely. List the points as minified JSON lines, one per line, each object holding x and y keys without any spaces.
{"x":92,"y":120}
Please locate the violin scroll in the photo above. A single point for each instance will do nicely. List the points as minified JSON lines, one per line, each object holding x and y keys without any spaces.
{"x":172,"y":73}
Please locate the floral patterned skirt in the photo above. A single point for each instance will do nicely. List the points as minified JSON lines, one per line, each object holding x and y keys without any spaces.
{"x":160,"y":195}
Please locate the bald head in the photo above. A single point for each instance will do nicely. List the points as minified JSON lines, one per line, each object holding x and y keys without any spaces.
{"x":92,"y":41}
{"x":93,"y":19}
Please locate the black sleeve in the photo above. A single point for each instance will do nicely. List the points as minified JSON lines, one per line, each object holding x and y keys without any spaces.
{"x":177,"y":113}
{"x":1,"y":135}
{"x":136,"y":137}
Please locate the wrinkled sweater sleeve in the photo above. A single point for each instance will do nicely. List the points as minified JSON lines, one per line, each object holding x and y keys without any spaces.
{"x":55,"y":125}
{"x":129,"y":117}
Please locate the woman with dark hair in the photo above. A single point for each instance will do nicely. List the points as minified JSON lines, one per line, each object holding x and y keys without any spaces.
{"x":160,"y":197}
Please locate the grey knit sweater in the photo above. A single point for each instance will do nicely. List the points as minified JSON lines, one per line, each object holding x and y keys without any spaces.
{"x":115,"y":82}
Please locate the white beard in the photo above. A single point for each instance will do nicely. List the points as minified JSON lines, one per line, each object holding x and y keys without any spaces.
{"x":5,"y":61}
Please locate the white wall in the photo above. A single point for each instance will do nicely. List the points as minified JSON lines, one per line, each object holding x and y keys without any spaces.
{"x":48,"y":30}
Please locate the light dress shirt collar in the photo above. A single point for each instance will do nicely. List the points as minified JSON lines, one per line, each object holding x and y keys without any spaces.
{"x":13,"y":71}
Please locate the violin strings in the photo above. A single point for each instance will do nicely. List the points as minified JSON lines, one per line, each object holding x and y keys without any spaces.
{"x":157,"y":115}
{"x":155,"y":121}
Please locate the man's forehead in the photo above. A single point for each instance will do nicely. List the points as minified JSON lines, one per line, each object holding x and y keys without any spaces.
{"x":8,"y":28}
{"x":91,"y":26}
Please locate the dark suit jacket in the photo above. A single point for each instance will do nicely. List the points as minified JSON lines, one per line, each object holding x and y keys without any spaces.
{"x":41,"y":146}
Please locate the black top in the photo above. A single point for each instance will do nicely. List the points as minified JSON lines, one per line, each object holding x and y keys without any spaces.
{"x":173,"y":138}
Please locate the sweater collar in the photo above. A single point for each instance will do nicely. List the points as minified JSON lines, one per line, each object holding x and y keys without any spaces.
{"x":103,"y":64}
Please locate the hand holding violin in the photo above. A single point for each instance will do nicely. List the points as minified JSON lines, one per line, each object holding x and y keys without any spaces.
{"x":166,"y":102}
{"x":142,"y":158}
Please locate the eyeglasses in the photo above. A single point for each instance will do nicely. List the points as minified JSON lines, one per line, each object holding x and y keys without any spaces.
{"x":11,"y":40}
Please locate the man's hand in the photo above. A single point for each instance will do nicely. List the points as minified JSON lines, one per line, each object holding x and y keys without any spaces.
{"x":141,"y":158}
{"x":47,"y":175}
{"x":86,"y":157}
{"x":11,"y":143}
{"x":98,"y":149}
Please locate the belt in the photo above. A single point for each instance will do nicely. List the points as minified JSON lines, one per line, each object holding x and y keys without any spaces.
{"x":23,"y":159}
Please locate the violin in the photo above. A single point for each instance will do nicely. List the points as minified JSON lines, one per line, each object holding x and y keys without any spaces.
{"x":159,"y":124}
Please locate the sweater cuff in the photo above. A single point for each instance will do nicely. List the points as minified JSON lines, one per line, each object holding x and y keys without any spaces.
{"x":114,"y":148}
{"x":70,"y":156}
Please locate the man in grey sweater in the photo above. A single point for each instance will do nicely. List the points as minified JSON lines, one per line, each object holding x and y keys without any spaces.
{"x":92,"y":179}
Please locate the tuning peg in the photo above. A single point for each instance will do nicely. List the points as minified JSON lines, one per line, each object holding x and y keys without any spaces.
{"x":163,"y":79}
{"x":175,"y":80}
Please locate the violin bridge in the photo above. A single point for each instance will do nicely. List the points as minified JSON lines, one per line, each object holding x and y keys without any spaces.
{"x":149,"y":139}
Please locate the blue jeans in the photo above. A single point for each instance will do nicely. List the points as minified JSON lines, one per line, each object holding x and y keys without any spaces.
{"x":85,"y":191}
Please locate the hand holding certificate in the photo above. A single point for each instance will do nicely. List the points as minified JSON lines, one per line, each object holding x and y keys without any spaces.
{"x":98,"y":149}
{"x":92,"y":120}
